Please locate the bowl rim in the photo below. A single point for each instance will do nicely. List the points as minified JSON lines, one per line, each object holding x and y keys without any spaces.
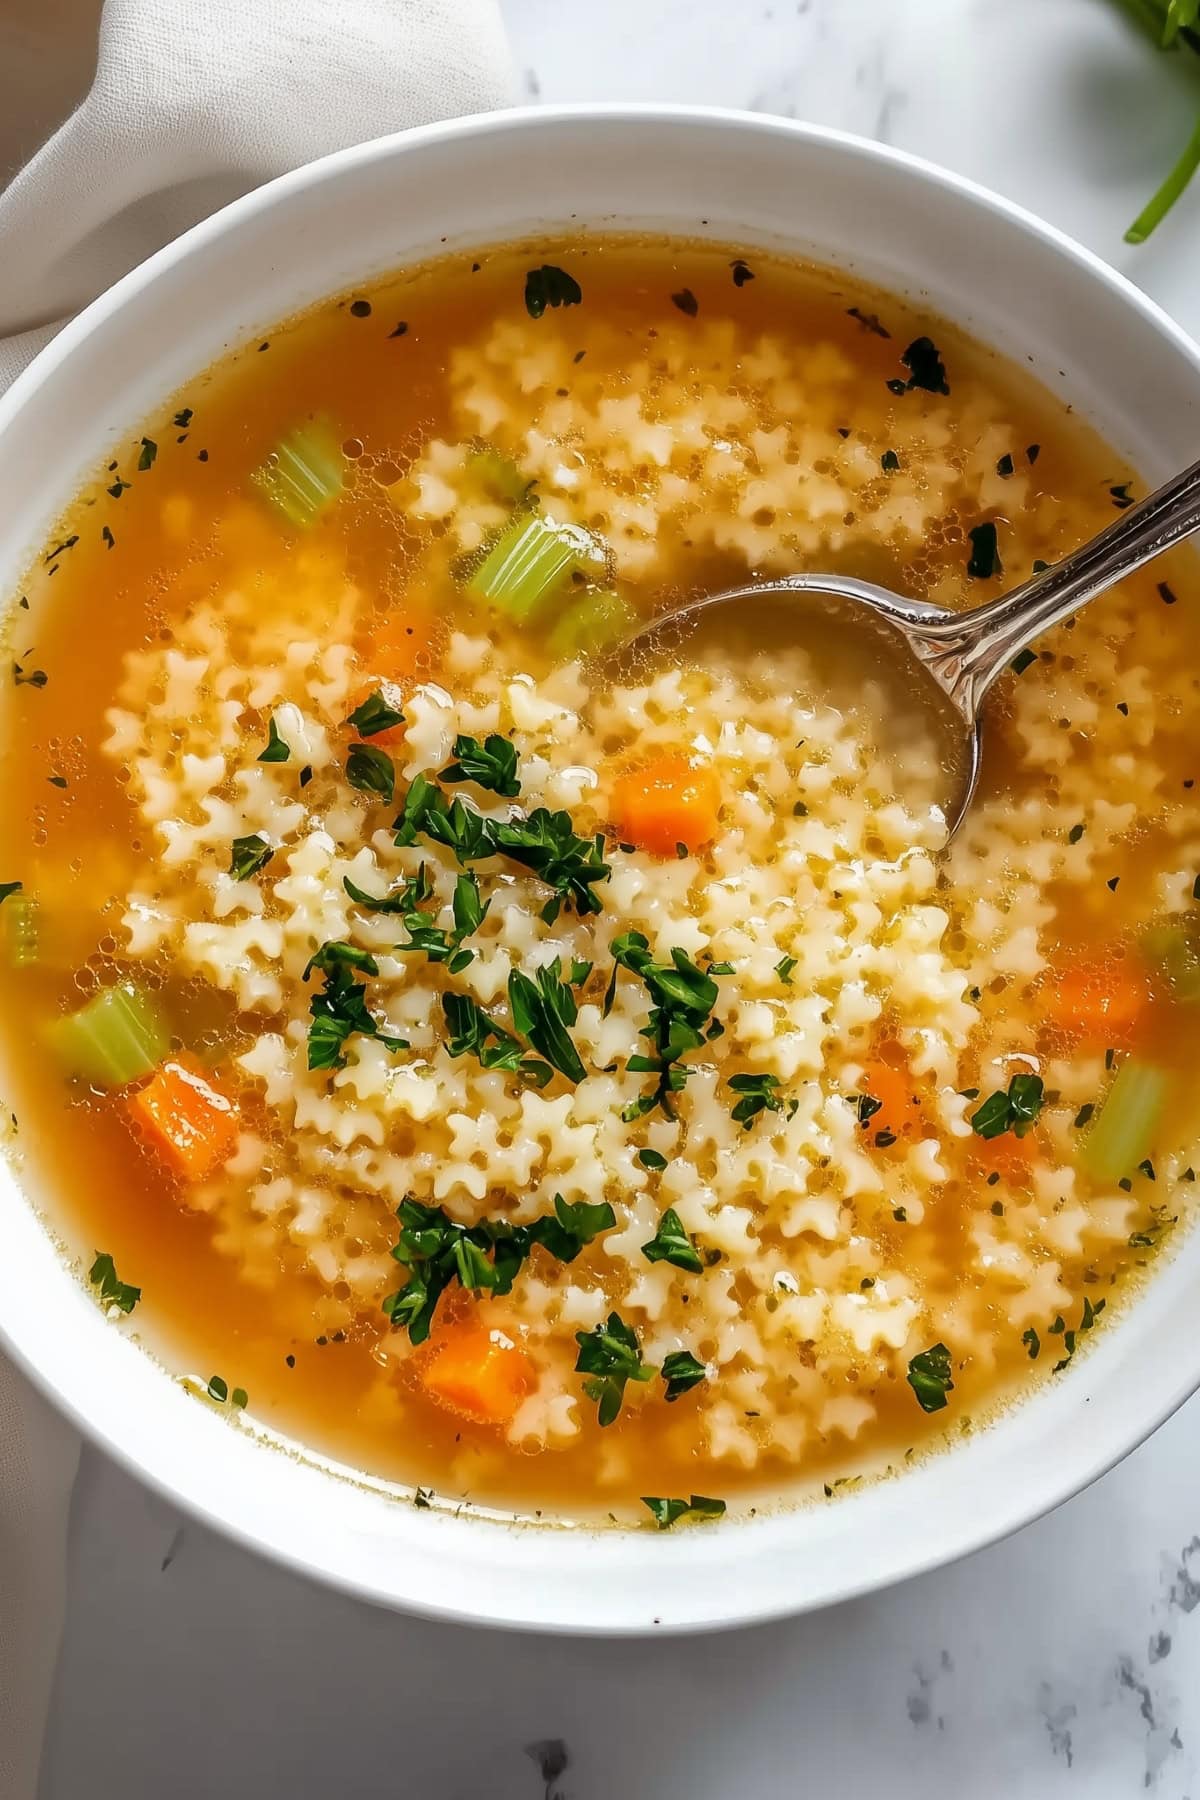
{"x":484,"y":126}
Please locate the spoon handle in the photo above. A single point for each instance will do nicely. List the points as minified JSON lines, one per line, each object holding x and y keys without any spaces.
{"x":974,"y":649}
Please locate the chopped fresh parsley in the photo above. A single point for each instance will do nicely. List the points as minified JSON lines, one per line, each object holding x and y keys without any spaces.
{"x":866,"y":1106}
{"x":681,"y":1371}
{"x":35,"y":678}
{"x":784,"y":967}
{"x":1121,"y":496}
{"x":667,"y":1512}
{"x":218,"y":1390}
{"x":1075,"y":833}
{"x":984,"y":560}
{"x":439,"y":1252}
{"x":925,"y":367}
{"x":758,"y":1095}
{"x":930,"y":1379}
{"x":683,"y":997}
{"x":889,"y":462}
{"x":340,"y":1009}
{"x":1024,"y":659}
{"x":651,"y":1159}
{"x":1032,"y":1343}
{"x":372,"y":771}
{"x":474,"y":1033}
{"x":491,"y":765}
{"x":610,"y":1356}
{"x":424,"y":934}
{"x":549,"y":286}
{"x":671,"y":1244}
{"x":375,"y":714}
{"x":542,"y":1010}
{"x":1015,"y":1110}
{"x":686,"y":301}
{"x":183,"y":418}
{"x":742,"y":272}
{"x":546,"y":843}
{"x":113,"y":1291}
{"x":277,"y":750}
{"x":148,"y":453}
{"x":248,"y":855}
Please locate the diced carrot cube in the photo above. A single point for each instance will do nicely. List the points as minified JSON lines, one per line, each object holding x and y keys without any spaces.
{"x":1099,"y":1000}
{"x":671,"y":800}
{"x":478,"y":1374}
{"x":190,"y":1123}
{"x":403,"y":647}
{"x":892,"y":1086}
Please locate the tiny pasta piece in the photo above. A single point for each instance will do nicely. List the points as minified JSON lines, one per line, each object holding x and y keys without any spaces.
{"x":478,"y":1374}
{"x":190,"y":1123}
{"x":1098,"y":1000}
{"x":674,"y":799}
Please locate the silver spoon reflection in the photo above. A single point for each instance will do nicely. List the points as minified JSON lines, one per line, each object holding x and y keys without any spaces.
{"x":954,"y":657}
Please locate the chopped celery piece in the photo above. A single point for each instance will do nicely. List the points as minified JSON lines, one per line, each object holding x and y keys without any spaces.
{"x":592,"y":623}
{"x":22,"y":920}
{"x":119,"y":1035}
{"x":304,"y":475}
{"x":1127,"y":1123}
{"x":531,"y":560}
{"x":1175,"y":951}
{"x":499,"y":474}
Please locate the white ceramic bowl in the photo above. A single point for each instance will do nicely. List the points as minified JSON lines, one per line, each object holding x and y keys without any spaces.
{"x":887,"y":219}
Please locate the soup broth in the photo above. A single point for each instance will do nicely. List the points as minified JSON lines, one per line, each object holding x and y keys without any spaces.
{"x":548,"y":1086}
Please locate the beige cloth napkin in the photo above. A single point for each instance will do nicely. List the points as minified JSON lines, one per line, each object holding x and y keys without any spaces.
{"x":194,"y":102}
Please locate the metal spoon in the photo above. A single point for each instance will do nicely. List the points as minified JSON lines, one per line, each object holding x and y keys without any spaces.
{"x":962,"y":653}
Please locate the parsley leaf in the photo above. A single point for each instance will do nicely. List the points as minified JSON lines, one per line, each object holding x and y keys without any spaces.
{"x":375,"y":714}
{"x":248,"y":855}
{"x":784,"y":968}
{"x":666,"y":1512}
{"x":681,"y":1371}
{"x":491,"y":765}
{"x":610,"y":1356}
{"x":474,"y":1033}
{"x":542,"y":1009}
{"x":113,"y":1291}
{"x":148,"y":453}
{"x":437,"y":1251}
{"x":672,"y":1244}
{"x":277,"y":750}
{"x":683,"y":997}
{"x":1032,"y":1343}
{"x":1016,"y":1110}
{"x":929,"y":1377}
{"x":341,"y":1008}
{"x":758,"y":1095}
{"x":549,"y":286}
{"x":547,"y":844}
{"x":925,"y":367}
{"x":371,"y":770}
{"x":984,"y":560}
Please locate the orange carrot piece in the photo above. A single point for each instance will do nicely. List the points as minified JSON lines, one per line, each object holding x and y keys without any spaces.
{"x":189,"y":1122}
{"x":1102,"y":1000}
{"x":673,"y":799}
{"x":403,"y":647}
{"x":899,"y":1112}
{"x":1008,"y":1156}
{"x":474,"y":1373}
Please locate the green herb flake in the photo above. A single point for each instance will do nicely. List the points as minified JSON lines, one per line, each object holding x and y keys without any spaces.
{"x":34,"y":678}
{"x":248,"y":855}
{"x":148,"y":454}
{"x":1024,"y":659}
{"x":930,"y":1379}
{"x":340,"y":1009}
{"x":741,"y":271}
{"x":889,"y":462}
{"x":112,"y":1290}
{"x":686,"y":301}
{"x":542,"y":1010}
{"x":1121,"y":496}
{"x":491,"y":764}
{"x":758,"y":1094}
{"x":1015,"y":1110}
{"x":372,"y":771}
{"x":1032,"y":1343}
{"x":277,"y":750}
{"x":1075,"y":833}
{"x":984,"y":561}
{"x":925,"y":367}
{"x":669,"y":1512}
{"x":671,"y":1244}
{"x":375,"y":714}
{"x":682,"y":1371}
{"x":1004,"y":466}
{"x":610,"y":1356}
{"x":549,"y":286}
{"x":784,"y":968}
{"x":651,"y":1159}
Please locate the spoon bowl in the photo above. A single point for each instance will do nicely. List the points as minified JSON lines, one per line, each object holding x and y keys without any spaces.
{"x":949,"y":659}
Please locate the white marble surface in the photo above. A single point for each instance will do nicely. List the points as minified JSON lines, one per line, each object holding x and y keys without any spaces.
{"x":1065,"y":1662}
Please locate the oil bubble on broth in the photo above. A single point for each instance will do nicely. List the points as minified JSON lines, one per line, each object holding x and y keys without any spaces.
{"x":555,"y":1082}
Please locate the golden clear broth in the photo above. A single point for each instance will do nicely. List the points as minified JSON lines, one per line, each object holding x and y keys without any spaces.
{"x":152,"y":543}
